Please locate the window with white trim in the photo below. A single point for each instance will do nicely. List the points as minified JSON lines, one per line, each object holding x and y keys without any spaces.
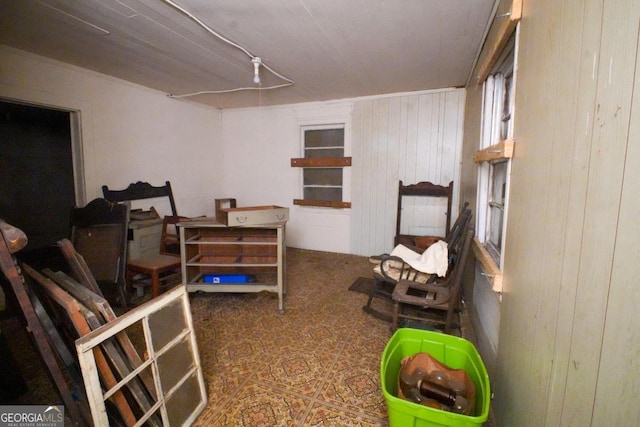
{"x":323,"y":166}
{"x":496,"y":145}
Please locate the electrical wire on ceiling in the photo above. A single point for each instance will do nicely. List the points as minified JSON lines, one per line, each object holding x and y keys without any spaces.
{"x":256,"y":61}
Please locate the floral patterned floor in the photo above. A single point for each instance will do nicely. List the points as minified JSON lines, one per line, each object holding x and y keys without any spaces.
{"x":318,"y":364}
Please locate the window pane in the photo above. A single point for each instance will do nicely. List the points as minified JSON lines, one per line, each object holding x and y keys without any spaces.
{"x":498,"y":182}
{"x":323,"y":183}
{"x":182,"y":404}
{"x":166,"y":324}
{"x":329,"y":194}
{"x":495,"y":231}
{"x":496,"y":208}
{"x":505,"y":127}
{"x":324,"y":138}
{"x":322,"y":176}
{"x":496,"y":114}
{"x":324,"y":152}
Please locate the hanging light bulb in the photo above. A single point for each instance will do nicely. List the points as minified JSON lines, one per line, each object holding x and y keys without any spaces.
{"x":256,"y":69}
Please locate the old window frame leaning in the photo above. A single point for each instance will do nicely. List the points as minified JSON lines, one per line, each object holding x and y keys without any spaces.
{"x":172,"y":356}
{"x":325,"y":177}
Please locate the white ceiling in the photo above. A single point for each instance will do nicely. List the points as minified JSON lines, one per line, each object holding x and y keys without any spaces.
{"x":330,"y":49}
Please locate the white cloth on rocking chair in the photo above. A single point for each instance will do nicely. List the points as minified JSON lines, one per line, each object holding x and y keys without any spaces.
{"x":434,"y":260}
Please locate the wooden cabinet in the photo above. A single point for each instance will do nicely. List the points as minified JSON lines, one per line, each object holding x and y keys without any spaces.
{"x":210,"y":248}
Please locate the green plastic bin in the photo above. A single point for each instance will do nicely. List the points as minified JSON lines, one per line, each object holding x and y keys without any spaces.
{"x":454,"y":352}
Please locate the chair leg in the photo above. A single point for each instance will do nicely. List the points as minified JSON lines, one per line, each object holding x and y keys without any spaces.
{"x":376,"y":292}
{"x":128,"y":279}
{"x":449,"y":321}
{"x":395,"y":315}
{"x":155,"y":284}
{"x":373,"y":290}
{"x":123,"y":296}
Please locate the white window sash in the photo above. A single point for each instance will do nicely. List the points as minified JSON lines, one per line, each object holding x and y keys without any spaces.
{"x":320,"y":124}
{"x":491,"y":125}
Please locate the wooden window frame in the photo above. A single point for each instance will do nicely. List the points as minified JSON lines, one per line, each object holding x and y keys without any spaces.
{"x":508,"y":14}
{"x":322,"y":162}
{"x":489,"y":266}
{"x":88,"y":345}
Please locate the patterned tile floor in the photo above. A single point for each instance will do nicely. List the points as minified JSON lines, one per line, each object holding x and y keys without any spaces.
{"x":316,"y":365}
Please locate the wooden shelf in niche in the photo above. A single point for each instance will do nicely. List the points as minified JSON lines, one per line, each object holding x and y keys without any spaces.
{"x":322,"y":204}
{"x":321,"y":162}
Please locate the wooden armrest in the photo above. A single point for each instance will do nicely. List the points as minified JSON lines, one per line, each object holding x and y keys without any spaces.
{"x":392,"y":263}
{"x":401,"y":294}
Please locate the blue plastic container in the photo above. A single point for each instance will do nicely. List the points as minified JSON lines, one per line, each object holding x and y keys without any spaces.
{"x":228,"y":278}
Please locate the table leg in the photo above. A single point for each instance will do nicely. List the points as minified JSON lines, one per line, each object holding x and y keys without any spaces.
{"x":155,"y":284}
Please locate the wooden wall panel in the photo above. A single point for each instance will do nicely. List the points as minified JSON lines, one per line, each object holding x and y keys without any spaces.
{"x":578,"y":41}
{"x":568,"y":341}
{"x":523,"y":288}
{"x":620,"y":363}
{"x":471,"y":142}
{"x":604,"y":280}
{"x":536,"y":321}
{"x":485,"y":311}
{"x":413,"y":138}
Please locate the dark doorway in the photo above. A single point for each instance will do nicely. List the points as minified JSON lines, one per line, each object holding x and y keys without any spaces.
{"x":37,"y":189}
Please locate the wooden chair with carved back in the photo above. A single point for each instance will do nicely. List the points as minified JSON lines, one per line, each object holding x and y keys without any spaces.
{"x":139,"y":191}
{"x":436,"y":303}
{"x":390,"y":269}
{"x":422,"y":189}
{"x":158,"y":268}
